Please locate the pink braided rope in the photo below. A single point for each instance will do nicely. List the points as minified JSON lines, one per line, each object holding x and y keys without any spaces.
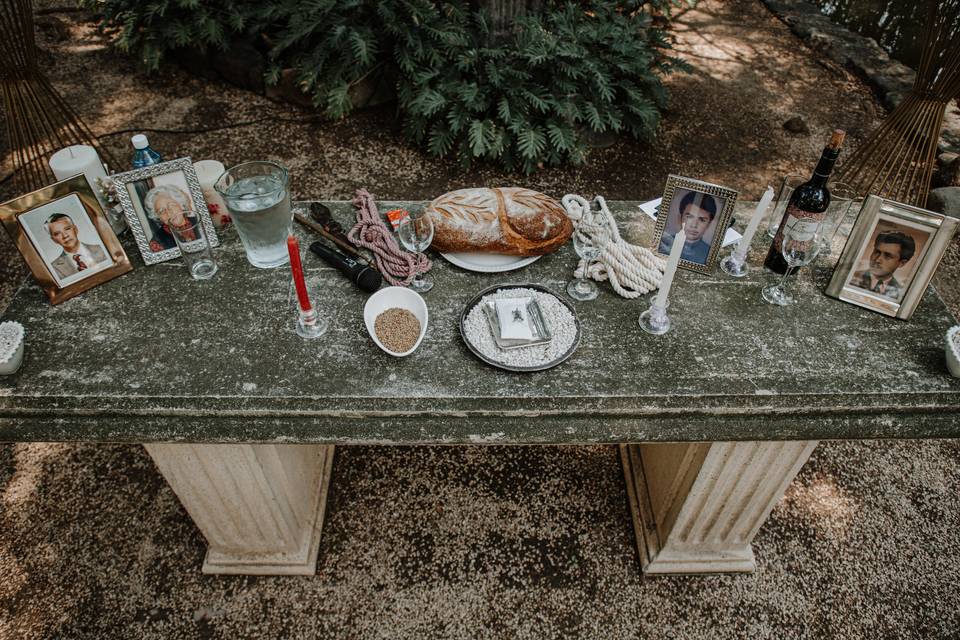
{"x":397,"y":266}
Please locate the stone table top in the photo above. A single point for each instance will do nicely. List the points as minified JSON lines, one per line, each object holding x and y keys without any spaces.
{"x":154,"y":356}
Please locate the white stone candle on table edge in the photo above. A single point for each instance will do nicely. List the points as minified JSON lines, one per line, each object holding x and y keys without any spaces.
{"x":758,"y":215}
{"x":208,"y":172}
{"x":678,"y":241}
{"x":79,"y":158}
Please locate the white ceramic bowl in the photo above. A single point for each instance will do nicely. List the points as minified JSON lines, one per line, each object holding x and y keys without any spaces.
{"x":953,"y":353}
{"x":390,"y":298}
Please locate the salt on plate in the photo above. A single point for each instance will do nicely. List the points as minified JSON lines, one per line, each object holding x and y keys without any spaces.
{"x":560,"y":321}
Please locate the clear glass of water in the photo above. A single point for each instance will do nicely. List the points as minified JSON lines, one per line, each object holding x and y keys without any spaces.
{"x":194,"y":248}
{"x":416,"y":234}
{"x":258,"y":199}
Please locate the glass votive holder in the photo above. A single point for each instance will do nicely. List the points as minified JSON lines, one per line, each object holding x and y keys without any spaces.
{"x":735,"y":264}
{"x":310,"y":324}
{"x":655,"y":319}
{"x":194,"y":248}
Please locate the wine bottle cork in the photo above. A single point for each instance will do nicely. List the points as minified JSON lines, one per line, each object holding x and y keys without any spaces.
{"x":836,"y":139}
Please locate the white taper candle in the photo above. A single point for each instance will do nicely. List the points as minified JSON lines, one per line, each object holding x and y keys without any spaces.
{"x":758,"y":215}
{"x":678,"y":241}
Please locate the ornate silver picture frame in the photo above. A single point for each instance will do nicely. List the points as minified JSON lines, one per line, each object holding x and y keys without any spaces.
{"x":891,"y":255}
{"x":157,"y":196}
{"x":704,"y":209}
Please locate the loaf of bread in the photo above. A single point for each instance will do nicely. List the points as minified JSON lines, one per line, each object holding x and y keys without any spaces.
{"x":511,"y":220}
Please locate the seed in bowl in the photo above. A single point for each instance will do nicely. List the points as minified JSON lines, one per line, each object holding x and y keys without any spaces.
{"x":397,"y":329}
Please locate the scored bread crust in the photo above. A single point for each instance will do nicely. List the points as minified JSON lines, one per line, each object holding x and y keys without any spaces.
{"x":509,"y":220}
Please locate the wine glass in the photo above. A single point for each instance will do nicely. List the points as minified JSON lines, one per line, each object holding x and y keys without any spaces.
{"x":799,"y":246}
{"x":587,"y":242}
{"x":416,"y":234}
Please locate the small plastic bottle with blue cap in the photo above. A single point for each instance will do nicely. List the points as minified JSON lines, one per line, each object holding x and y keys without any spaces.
{"x":143,"y":154}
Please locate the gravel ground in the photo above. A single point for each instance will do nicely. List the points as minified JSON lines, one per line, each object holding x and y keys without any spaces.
{"x":478,"y":542}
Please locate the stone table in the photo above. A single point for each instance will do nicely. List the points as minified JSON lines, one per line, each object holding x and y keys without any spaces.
{"x":241,"y":416}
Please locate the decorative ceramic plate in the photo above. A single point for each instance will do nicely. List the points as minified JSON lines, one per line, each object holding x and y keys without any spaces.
{"x":489,"y":262}
{"x":502,"y":365}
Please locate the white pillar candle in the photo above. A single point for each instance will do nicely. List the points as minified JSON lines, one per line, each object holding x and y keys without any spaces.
{"x":758,"y":215}
{"x":79,"y":158}
{"x":678,"y":241}
{"x":208,"y":172}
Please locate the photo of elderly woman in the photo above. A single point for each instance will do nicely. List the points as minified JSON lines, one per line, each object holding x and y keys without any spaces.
{"x":162,"y":203}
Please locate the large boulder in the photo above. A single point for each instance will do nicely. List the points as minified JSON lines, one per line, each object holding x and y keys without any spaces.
{"x":945,"y":200}
{"x":948,"y":170}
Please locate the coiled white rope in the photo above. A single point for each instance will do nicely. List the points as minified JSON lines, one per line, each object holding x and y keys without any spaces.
{"x":632,"y":270}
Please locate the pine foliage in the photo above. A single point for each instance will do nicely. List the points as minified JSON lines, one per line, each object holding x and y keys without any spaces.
{"x":524,"y":103}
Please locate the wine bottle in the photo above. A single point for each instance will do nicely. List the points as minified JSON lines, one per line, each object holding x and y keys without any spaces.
{"x":808,"y":203}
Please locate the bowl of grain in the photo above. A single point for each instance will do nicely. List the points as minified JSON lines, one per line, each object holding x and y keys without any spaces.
{"x":396,"y":320}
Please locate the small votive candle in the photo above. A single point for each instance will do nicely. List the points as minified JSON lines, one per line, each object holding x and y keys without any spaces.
{"x":208,"y":172}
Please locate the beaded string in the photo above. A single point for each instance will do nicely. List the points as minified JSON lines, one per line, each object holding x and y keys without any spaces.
{"x":397,"y":266}
{"x":631,"y":269}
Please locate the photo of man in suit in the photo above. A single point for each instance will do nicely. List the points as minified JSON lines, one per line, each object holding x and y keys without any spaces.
{"x":75,"y":256}
{"x":697,"y":211}
{"x":891,"y":250}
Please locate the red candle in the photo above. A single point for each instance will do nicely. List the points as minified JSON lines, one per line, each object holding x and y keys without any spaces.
{"x":293,"y":248}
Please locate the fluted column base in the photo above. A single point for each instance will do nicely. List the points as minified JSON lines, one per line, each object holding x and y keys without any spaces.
{"x":260,"y":507}
{"x":696,"y":507}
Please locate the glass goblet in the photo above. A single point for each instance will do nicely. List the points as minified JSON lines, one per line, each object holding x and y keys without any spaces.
{"x":416,"y":234}
{"x":587,"y":242}
{"x":799,"y":246}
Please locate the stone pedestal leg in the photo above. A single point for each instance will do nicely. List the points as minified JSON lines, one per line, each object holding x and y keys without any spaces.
{"x":260,"y":507}
{"x":696,"y":507}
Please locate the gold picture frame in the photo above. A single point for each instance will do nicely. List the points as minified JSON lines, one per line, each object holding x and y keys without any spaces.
{"x":39,"y":222}
{"x":702,"y":256}
{"x":890,"y":257}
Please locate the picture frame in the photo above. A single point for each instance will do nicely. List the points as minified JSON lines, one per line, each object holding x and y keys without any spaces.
{"x":65,"y":238}
{"x":890,"y":257}
{"x":709,"y":208}
{"x":154,"y":197}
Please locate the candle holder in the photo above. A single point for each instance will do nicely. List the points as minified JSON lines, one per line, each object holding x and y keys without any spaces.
{"x":655,"y":319}
{"x":735,"y":264}
{"x":310,"y":325}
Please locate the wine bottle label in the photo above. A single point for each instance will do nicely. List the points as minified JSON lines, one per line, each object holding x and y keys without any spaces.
{"x":803,"y":225}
